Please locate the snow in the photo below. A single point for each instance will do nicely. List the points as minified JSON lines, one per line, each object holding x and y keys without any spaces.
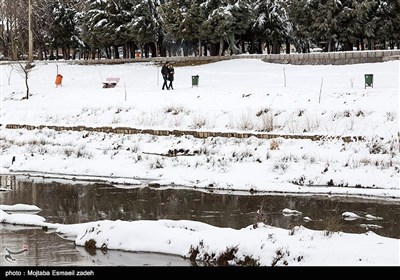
{"x":19,"y":207}
{"x":350,"y":216}
{"x":290,"y":212}
{"x":257,"y":244}
{"x":371,"y":217}
{"x":238,"y":96}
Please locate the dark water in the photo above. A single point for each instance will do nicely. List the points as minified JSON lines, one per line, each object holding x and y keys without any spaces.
{"x":79,"y":203}
{"x":48,"y":249}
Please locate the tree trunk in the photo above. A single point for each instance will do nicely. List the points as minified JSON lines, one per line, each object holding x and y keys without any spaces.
{"x":116,"y":52}
{"x":40,"y":54}
{"x":185,"y":48}
{"x":26,"y":84}
{"x":124,"y":51}
{"x":214,"y":47}
{"x":369,"y":44}
{"x":221,"y":47}
{"x":276,"y":48}
{"x":200,"y":47}
{"x":232,"y":45}
{"x":287,"y":46}
{"x":156,"y":49}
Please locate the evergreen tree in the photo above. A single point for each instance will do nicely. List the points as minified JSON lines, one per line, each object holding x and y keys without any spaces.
{"x":324,"y":25}
{"x":243,"y":16}
{"x":42,"y":16}
{"x":300,"y":18}
{"x":105,"y":25}
{"x":182,"y":21}
{"x":347,"y":25}
{"x":388,"y":27}
{"x":143,"y":25}
{"x":367,"y":21}
{"x":218,"y":24}
{"x":225,"y":21}
{"x":272,"y":23}
{"x":63,"y":32}
{"x":93,"y":24}
{"x":339,"y":25}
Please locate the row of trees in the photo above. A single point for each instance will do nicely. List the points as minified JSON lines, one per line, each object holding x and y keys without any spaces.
{"x":115,"y":28}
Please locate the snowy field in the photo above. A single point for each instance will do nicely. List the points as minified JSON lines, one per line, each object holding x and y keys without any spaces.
{"x":240,"y":95}
{"x":236,"y":96}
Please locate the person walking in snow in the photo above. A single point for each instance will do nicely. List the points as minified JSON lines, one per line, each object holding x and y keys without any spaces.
{"x":164,"y":73}
{"x":171,"y":74}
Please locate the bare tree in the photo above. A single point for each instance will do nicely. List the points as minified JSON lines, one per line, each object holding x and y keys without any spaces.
{"x":23,"y":68}
{"x":13,"y":26}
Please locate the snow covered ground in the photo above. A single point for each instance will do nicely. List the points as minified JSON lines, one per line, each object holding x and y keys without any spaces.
{"x":233,"y":96}
{"x":240,"y":95}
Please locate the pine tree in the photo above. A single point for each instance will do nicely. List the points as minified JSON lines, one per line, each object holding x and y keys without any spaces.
{"x":243,"y":16}
{"x":272,"y":23}
{"x":105,"y":25}
{"x":388,"y":27}
{"x":300,"y":19}
{"x":143,"y":25}
{"x":182,"y":21}
{"x":63,"y":32}
{"x":225,"y":21}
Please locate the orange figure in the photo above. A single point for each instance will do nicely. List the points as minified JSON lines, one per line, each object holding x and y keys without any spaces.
{"x":59,"y":80}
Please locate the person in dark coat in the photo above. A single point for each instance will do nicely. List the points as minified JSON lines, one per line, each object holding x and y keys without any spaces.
{"x":164,"y":73}
{"x":171,"y":73}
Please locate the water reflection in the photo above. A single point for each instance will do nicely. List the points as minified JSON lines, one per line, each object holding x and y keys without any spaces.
{"x":47,"y":249}
{"x":79,"y":203}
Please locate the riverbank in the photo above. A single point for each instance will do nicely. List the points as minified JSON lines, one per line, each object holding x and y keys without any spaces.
{"x":295,"y":167}
{"x":241,"y":96}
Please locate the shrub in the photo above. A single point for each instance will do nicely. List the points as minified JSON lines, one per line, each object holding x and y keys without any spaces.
{"x":274,"y":144}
